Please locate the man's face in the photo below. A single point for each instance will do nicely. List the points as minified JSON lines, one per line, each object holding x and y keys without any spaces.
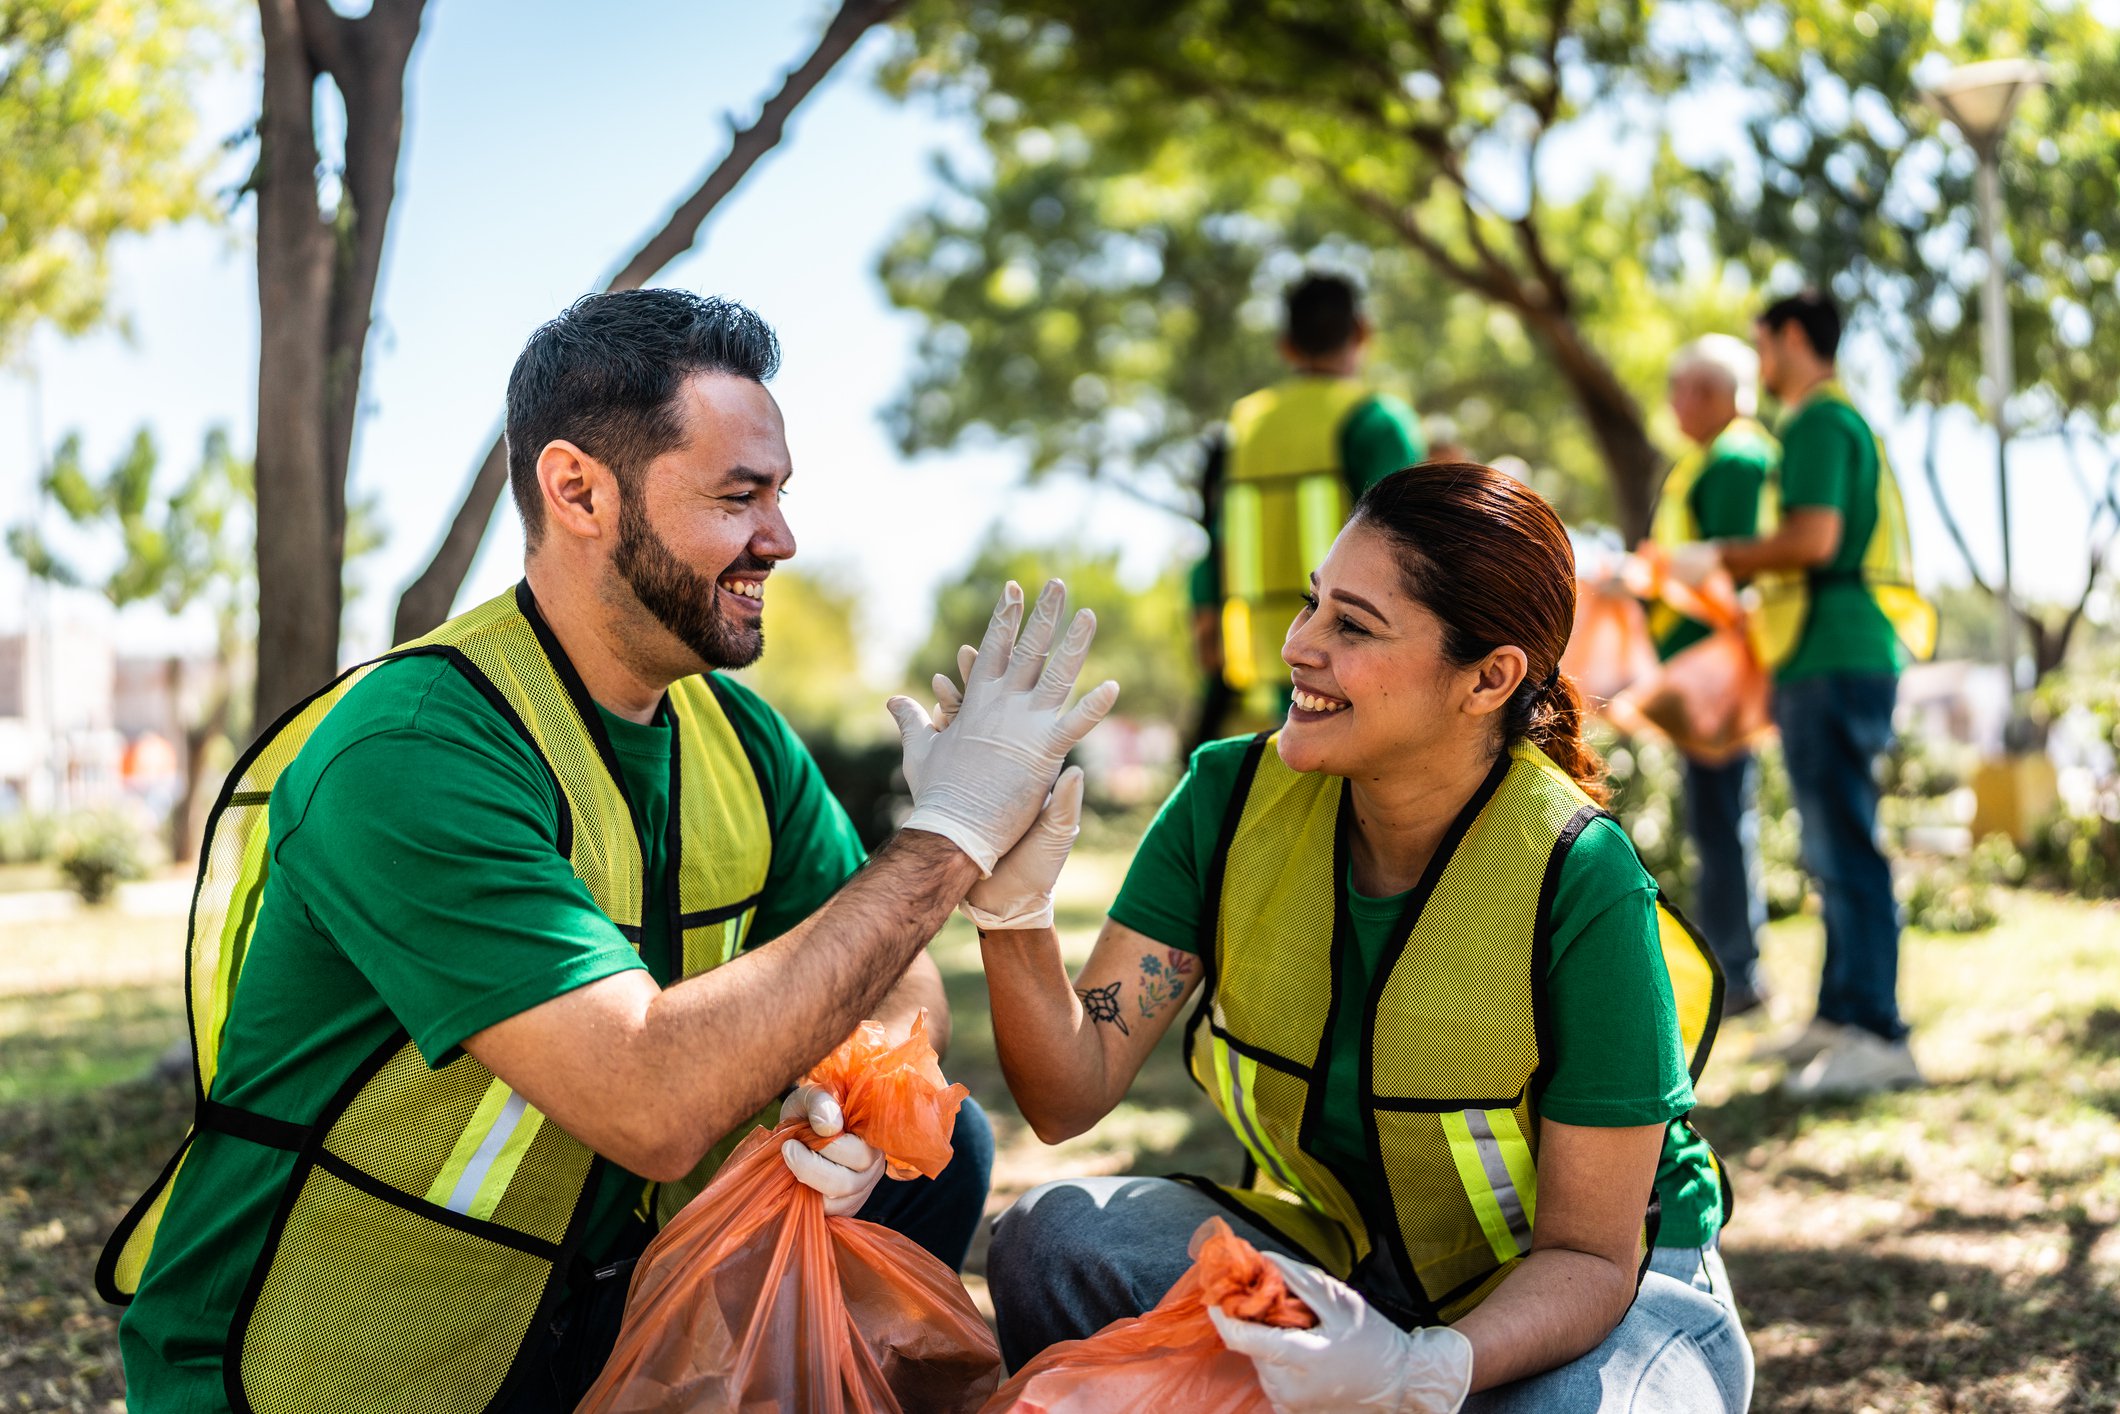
{"x":700,"y":527}
{"x":1702,"y":406}
{"x":1768,"y":347}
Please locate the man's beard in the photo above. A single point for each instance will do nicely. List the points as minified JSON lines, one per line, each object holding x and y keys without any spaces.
{"x":682,"y":599}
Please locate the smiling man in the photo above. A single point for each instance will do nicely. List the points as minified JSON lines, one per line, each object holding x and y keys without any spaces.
{"x":504,"y":940}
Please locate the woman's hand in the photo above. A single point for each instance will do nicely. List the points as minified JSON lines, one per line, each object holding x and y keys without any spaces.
{"x":1354,"y":1358}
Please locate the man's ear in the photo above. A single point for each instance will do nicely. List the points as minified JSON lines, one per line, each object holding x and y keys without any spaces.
{"x":581,"y":494}
{"x":1496,"y":679}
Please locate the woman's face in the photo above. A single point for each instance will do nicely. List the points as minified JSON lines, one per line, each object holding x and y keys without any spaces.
{"x":1374,"y":693}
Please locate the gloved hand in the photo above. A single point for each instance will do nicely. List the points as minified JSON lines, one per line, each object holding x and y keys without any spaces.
{"x":846,"y":1170}
{"x":1019,"y":893}
{"x":1693,"y":563}
{"x":1354,"y":1358}
{"x":982,"y":781}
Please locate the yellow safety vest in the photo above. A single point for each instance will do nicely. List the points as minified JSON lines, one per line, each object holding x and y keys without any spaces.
{"x":1674,"y":524}
{"x":1284,"y":498}
{"x":1779,"y":602}
{"x":1453,"y":1022}
{"x":431,"y":1214}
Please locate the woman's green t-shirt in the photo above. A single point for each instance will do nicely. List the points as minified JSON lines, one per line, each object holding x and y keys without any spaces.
{"x":1618,"y":1058}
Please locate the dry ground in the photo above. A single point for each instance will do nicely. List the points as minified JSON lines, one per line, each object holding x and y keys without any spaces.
{"x":1953,"y":1249}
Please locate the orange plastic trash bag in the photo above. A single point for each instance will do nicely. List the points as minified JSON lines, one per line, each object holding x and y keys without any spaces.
{"x":1170,"y":1359}
{"x":1713,"y":699}
{"x":1609,"y":647}
{"x":751,"y":1299}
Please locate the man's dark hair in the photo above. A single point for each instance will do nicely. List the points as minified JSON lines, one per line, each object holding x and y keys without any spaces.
{"x":1814,"y":310}
{"x":1324,"y":311}
{"x":605,"y":376}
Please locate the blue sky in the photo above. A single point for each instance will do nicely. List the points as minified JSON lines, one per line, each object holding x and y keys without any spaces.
{"x":544,"y":139}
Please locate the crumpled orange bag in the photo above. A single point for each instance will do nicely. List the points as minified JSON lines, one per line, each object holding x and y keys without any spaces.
{"x":1171,"y":1359}
{"x":1712,"y":698}
{"x":752,"y":1299}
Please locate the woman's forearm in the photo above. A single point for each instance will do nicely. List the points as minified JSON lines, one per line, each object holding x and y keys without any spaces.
{"x":1557,"y":1305}
{"x":1050,"y":1055}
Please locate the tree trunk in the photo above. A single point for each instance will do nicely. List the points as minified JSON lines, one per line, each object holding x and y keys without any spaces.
{"x":317,"y":278}
{"x":298,"y":597}
{"x":1633,"y":464}
{"x":427,"y":600}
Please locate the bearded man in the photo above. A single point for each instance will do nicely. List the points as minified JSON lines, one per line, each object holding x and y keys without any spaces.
{"x":502,"y":941}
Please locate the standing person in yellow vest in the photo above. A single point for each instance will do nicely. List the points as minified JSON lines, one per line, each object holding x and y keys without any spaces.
{"x":1838,"y":617}
{"x":1713,"y":492}
{"x":502,"y":940}
{"x":1441,"y":1005}
{"x":1296,"y":457}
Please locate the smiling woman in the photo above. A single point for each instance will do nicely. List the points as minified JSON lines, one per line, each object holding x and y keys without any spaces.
{"x":1442,"y":1007}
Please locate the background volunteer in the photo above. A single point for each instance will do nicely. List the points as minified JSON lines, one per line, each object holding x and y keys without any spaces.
{"x":1325,"y":341}
{"x":1713,"y":493}
{"x":1833,"y":699}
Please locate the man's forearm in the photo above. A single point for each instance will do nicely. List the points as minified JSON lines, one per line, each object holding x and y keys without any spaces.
{"x":730,"y":1040}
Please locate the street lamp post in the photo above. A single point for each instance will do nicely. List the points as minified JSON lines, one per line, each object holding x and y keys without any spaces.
{"x":1979,"y":100}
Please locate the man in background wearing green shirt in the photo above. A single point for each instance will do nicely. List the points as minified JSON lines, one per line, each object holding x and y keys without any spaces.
{"x":427,"y":886}
{"x":1279,"y":480}
{"x":1713,"y":493}
{"x":1833,"y":699}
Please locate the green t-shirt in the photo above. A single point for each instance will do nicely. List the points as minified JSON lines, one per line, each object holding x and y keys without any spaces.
{"x":415,"y":883}
{"x":1829,"y":459}
{"x":1724,"y":503}
{"x":1618,"y":1059}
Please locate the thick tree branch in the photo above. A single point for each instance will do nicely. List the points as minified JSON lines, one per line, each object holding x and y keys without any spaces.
{"x":427,"y":600}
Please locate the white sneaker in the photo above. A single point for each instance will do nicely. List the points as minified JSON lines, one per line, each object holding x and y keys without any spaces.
{"x":1859,"y":1063}
{"x":1817,"y":1036}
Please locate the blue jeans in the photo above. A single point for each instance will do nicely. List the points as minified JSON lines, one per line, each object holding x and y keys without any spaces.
{"x":1729,"y":904}
{"x":941,"y":1214}
{"x":1074,"y":1255}
{"x":1833,"y":729}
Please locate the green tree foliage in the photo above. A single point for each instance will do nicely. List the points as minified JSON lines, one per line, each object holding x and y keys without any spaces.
{"x":183,"y":547}
{"x":97,"y":140}
{"x":811,"y":670}
{"x":1142,"y":635}
{"x":1849,"y":181}
{"x":1158,"y":172}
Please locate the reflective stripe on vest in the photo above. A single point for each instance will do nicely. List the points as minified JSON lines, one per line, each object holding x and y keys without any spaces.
{"x":1452,"y":1018}
{"x":1283,"y":500}
{"x":429,"y":1211}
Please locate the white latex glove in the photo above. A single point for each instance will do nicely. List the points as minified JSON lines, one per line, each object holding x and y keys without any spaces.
{"x":1019,"y":893}
{"x":846,"y":1170}
{"x":1354,"y":1358}
{"x":1692,"y":564}
{"x":982,"y":781}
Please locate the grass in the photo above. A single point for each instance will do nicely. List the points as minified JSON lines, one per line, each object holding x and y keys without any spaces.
{"x":1949,"y":1249}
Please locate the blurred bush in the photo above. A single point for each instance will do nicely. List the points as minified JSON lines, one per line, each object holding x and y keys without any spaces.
{"x":27,"y":837}
{"x":98,"y":851}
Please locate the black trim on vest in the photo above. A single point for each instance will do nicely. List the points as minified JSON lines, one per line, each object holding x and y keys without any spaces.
{"x":1392,"y":1235}
{"x":499,"y":1233}
{"x":1342,"y":940}
{"x":1211,"y":916}
{"x":1542,"y":942}
{"x":673,"y":845}
{"x":707,"y":917}
{"x":1305,"y":1073}
{"x":1440,"y":1107}
{"x":1698,"y":1061}
{"x":252,"y":1126}
{"x":107,"y":1260}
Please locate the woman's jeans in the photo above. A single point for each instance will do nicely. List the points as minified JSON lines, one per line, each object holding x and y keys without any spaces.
{"x":1074,"y":1255}
{"x":1833,"y":729}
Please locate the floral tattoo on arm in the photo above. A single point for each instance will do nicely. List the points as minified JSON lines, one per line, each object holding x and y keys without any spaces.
{"x":1163,"y":979}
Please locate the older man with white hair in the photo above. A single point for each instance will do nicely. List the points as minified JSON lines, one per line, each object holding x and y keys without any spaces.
{"x":1713,"y":493}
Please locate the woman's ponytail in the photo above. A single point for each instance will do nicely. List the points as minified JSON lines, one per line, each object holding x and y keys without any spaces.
{"x":1487,"y":556}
